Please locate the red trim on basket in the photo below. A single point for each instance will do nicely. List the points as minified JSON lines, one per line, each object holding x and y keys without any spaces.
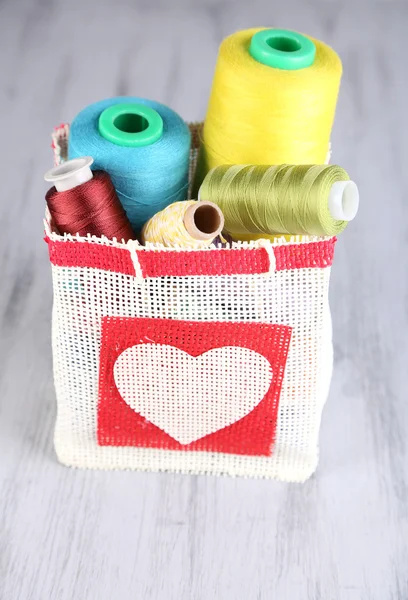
{"x":237,"y":261}
{"x":305,"y":256}
{"x":94,"y":256}
{"x":210,"y":262}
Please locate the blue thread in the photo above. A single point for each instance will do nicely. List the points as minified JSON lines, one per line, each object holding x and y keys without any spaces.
{"x":147,"y":178}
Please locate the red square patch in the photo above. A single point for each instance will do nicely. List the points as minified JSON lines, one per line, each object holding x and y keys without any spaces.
{"x":190,"y":385}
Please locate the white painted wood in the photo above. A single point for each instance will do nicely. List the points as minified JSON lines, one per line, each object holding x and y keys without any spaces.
{"x":68,"y":534}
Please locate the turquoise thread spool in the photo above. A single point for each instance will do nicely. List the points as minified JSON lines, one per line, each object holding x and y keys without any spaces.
{"x":143,"y":145}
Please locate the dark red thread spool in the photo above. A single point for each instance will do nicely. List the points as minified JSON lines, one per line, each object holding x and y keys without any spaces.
{"x":86,"y":203}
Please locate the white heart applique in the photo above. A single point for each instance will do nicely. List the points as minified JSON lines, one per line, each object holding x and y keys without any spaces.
{"x":190,"y":397}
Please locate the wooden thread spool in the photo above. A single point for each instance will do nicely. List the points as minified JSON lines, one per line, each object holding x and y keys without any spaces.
{"x":188,"y":224}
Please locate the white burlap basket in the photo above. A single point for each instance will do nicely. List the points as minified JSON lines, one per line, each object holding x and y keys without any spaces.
{"x":212,"y":361}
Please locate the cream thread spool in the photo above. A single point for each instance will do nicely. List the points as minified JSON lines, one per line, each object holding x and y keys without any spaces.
{"x":188,"y":224}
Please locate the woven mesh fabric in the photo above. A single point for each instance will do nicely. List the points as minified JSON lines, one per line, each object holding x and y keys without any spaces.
{"x":188,"y":361}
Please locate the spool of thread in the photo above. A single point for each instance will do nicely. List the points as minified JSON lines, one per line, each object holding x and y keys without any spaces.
{"x":188,"y":224}
{"x":84,"y":202}
{"x":286,"y":199}
{"x":273,"y":100}
{"x":143,"y":145}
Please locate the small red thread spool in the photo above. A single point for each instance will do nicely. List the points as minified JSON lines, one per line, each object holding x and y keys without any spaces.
{"x":84,"y":202}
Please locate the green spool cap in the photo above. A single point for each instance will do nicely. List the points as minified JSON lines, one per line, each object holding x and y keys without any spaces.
{"x":282,"y":49}
{"x":131,"y":125}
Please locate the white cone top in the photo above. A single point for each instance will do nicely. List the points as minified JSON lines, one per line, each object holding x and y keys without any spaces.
{"x":70,"y":173}
{"x":344,"y":200}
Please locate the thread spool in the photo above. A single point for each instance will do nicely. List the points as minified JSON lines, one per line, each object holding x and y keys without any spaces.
{"x":188,"y":224}
{"x":84,"y":202}
{"x":285,"y":199}
{"x":143,"y":145}
{"x":272,"y":101}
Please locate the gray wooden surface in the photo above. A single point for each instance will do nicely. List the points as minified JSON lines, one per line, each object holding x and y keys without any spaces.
{"x":67,"y":534}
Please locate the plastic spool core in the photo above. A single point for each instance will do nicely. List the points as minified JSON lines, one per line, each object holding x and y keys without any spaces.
{"x":70,"y":174}
{"x":203,"y":220}
{"x":343,"y":200}
{"x":282,"y":49}
{"x":130,"y":124}
{"x":284,"y":44}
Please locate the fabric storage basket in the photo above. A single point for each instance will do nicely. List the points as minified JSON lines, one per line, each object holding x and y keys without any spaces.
{"x":198,"y":361}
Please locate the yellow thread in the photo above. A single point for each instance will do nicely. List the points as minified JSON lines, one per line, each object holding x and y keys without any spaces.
{"x":286,"y":199}
{"x":167,"y":227}
{"x":261,"y":115}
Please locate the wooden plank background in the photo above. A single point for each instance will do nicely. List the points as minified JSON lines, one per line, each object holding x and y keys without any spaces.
{"x":67,"y":534}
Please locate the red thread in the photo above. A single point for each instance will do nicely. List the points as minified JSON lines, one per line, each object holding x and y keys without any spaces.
{"x":92,"y":207}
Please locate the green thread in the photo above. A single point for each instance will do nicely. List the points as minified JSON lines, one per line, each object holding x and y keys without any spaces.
{"x":288,"y":199}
